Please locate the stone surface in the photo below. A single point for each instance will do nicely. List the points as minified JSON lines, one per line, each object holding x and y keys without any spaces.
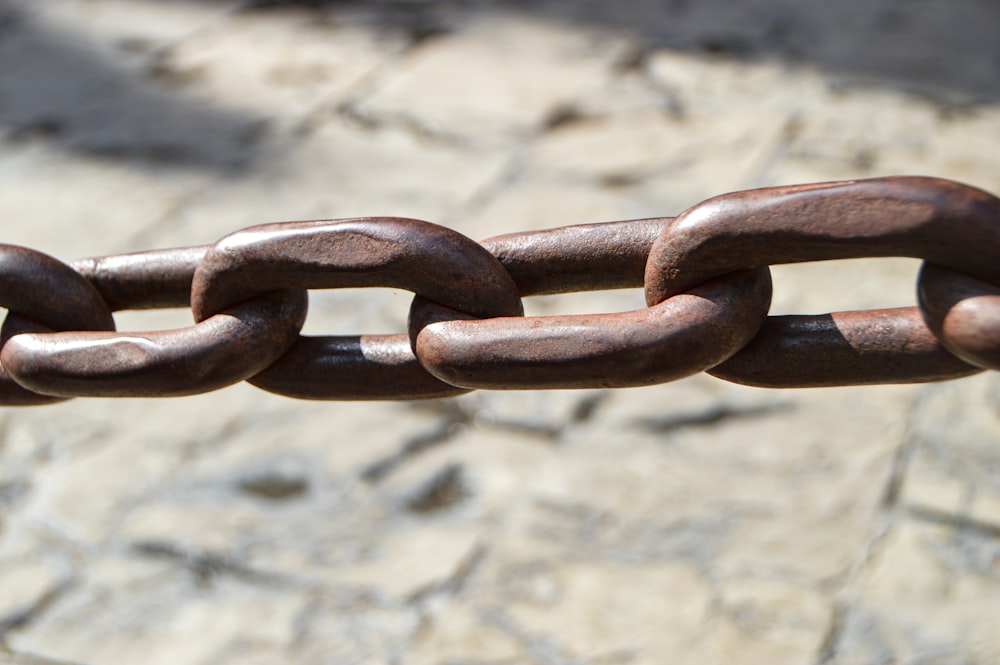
{"x":695,"y":522}
{"x":28,"y":585}
{"x":498,"y":90}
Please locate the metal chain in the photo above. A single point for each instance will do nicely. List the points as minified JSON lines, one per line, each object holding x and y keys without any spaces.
{"x":705,"y":274}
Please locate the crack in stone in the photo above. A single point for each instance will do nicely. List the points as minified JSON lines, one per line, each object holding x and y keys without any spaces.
{"x":442,"y":433}
{"x":828,"y":647}
{"x":11,"y":657}
{"x":356,"y":114}
{"x":444,"y":489}
{"x":709,"y":417}
{"x":958,"y":522}
{"x":587,"y":407}
{"x":884,"y":518}
{"x":539,"y":649}
{"x":456,"y":417}
{"x":30,"y":614}
{"x":586,"y":532}
{"x":899,"y":465}
{"x":206,"y":566}
{"x":454,"y":582}
{"x":490,"y":191}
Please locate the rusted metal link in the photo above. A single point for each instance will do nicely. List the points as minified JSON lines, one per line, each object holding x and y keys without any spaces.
{"x":963,"y":312}
{"x":154,"y":279}
{"x":681,"y":336}
{"x":223,"y":350}
{"x":352,"y":367}
{"x":427,"y":259}
{"x":943,"y":222}
{"x":219,"y":351}
{"x":585,"y":257}
{"x":42,"y":293}
{"x":842,"y":349}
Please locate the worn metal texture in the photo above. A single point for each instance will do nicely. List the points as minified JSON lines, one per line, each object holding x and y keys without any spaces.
{"x":705,"y":275}
{"x":585,"y":257}
{"x":940,"y":221}
{"x":943,"y":222}
{"x":359,"y":367}
{"x":418,"y":256}
{"x":42,"y":293}
{"x":144,"y":280}
{"x":224,"y":349}
{"x":843,"y":348}
{"x":681,"y":336}
{"x":963,"y":312}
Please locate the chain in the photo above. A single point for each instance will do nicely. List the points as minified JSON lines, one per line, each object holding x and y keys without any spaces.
{"x":705,"y":275}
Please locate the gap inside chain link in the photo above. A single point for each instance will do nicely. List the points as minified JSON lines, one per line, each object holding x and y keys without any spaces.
{"x":587,"y":302}
{"x":377,"y":311}
{"x":842,"y":285}
{"x":139,"y":320}
{"x":837,"y":285}
{"x":945,"y":223}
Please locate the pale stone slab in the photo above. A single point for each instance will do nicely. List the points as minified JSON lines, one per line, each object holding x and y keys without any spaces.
{"x":339,"y":172}
{"x":72,"y":206}
{"x":457,"y":632}
{"x":27,"y":584}
{"x":952,"y":471}
{"x":279,"y":65}
{"x":471,"y":83}
{"x":167,"y":619}
{"x":536,"y":203}
{"x":926,"y":597}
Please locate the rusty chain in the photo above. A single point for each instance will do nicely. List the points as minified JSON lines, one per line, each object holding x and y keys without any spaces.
{"x":705,"y":274}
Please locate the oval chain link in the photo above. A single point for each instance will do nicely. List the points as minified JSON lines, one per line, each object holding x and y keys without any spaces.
{"x":218,"y":352}
{"x":427,"y":259}
{"x":943,"y":222}
{"x":42,"y":294}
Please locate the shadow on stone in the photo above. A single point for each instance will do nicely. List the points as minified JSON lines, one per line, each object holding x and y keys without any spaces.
{"x":946,"y":49}
{"x":59,"y":88}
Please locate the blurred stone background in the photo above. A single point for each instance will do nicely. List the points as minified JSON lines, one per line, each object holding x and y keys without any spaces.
{"x":696,"y":522}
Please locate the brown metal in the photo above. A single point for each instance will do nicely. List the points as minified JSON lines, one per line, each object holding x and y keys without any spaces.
{"x":843,"y":348}
{"x":427,"y":259}
{"x":679,"y":337}
{"x":361,"y":367}
{"x":586,"y":257}
{"x":421,"y":257}
{"x":49,"y":292}
{"x":224,"y":349}
{"x":941,"y":221}
{"x":963,"y":312}
{"x":155,"y":279}
{"x":41,"y":293}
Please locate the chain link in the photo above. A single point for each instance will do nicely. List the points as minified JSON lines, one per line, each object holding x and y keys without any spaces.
{"x":705,"y":274}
